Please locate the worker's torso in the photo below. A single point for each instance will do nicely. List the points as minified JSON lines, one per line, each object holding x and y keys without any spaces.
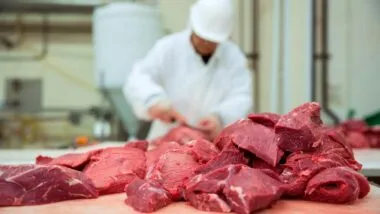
{"x":193,"y":87}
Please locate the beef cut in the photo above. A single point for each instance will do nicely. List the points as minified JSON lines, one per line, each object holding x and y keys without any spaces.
{"x":228,"y":188}
{"x":358,"y":140}
{"x":299,"y":129}
{"x":113,"y":168}
{"x":337,"y":185}
{"x":153,"y":155}
{"x":172,"y":170}
{"x":229,"y":155}
{"x":256,"y":193}
{"x":359,"y":134}
{"x":267,"y":119}
{"x":146,"y":196}
{"x":209,"y":202}
{"x":73,"y":161}
{"x":182,"y":134}
{"x":138,"y":144}
{"x":41,"y":184}
{"x":253,"y":137}
{"x":202,"y":150}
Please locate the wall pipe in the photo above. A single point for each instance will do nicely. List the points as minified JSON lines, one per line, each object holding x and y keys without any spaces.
{"x":313,"y":49}
{"x":324,"y":57}
{"x":255,"y":56}
{"x":275,"y":56}
{"x":287,"y":52}
{"x":44,"y":44}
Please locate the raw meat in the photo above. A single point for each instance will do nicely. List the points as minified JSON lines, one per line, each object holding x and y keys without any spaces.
{"x":229,"y":186}
{"x":357,"y":140}
{"x":230,"y":155}
{"x":208,"y":202}
{"x":264,"y":166}
{"x":359,"y":134}
{"x":337,"y":185}
{"x":333,"y":141}
{"x":354,"y":125}
{"x":153,"y":155}
{"x":253,"y":137}
{"x":41,"y":160}
{"x":41,"y":184}
{"x":146,"y":196}
{"x":172,"y":170}
{"x":202,"y":150}
{"x":138,"y":144}
{"x":373,"y":136}
{"x":74,"y":161}
{"x":113,"y":168}
{"x":300,"y":168}
{"x":266,"y":119}
{"x":256,"y":193}
{"x":182,"y":135}
{"x":299,"y":129}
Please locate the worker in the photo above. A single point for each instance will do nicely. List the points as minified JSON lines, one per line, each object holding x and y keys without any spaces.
{"x":197,"y":77}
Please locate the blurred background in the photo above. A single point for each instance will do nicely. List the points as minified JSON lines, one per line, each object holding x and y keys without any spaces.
{"x":63,"y":62}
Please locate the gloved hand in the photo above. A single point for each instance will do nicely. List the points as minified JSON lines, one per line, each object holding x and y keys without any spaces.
{"x":211,"y":125}
{"x":165,"y":112}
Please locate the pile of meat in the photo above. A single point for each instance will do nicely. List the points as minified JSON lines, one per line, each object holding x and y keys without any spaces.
{"x":252,"y":163}
{"x":359,"y":135}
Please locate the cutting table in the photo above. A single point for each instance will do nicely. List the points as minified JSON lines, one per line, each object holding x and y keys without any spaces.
{"x":370,"y":159}
{"x":114,"y":204}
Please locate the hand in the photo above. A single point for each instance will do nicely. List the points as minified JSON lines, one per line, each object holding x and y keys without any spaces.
{"x":211,"y":125}
{"x":164,"y":111}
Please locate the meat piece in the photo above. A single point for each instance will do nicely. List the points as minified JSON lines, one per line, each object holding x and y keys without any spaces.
{"x":299,"y":129}
{"x":333,"y":141}
{"x":256,"y":193}
{"x":209,"y":202}
{"x":253,"y":137}
{"x":229,"y":186}
{"x":202,"y":150}
{"x":182,"y":135}
{"x":73,"y":161}
{"x":357,"y":140}
{"x":41,"y":160}
{"x":153,"y":155}
{"x":337,"y":185}
{"x":266,"y":118}
{"x":138,"y":144}
{"x":172,"y":170}
{"x":230,"y":155}
{"x":42,"y":184}
{"x":268,"y":169}
{"x":146,"y":196}
{"x":300,"y":168}
{"x":113,"y":168}
{"x":373,"y":136}
{"x":354,"y":125}
{"x":213,"y":181}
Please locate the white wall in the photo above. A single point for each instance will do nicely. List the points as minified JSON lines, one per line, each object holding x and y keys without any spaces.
{"x":355,"y":47}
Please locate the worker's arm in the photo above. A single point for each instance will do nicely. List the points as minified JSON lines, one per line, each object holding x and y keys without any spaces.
{"x":142,"y":88}
{"x":238,"y":102}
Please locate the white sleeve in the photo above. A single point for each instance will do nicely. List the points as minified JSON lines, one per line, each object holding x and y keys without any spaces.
{"x":238,"y":102}
{"x":142,"y":88}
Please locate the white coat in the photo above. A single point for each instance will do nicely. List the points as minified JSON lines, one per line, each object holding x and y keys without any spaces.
{"x":172,"y":70}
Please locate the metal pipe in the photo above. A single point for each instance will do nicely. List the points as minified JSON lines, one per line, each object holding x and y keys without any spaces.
{"x":275,"y":56}
{"x":313,"y":49}
{"x":255,"y":57}
{"x":44,"y":44}
{"x":325,"y":58}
